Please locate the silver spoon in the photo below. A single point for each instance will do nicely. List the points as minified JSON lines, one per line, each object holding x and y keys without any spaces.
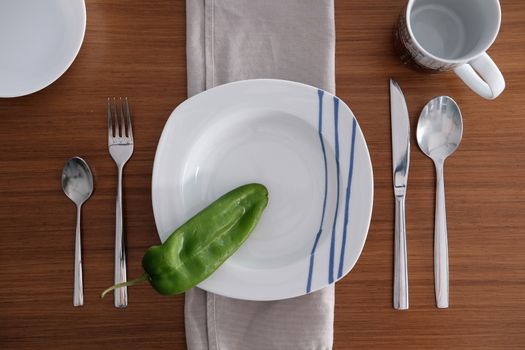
{"x":439,"y":132}
{"x":77,"y":183}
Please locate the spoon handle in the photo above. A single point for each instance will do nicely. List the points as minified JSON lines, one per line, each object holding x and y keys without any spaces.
{"x":400,"y":257}
{"x":440,"y":242}
{"x":78,"y":291}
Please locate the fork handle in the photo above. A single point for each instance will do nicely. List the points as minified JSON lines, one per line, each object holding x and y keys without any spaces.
{"x":121,"y":294}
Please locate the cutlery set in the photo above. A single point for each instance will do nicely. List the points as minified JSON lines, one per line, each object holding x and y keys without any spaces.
{"x":77,"y":183}
{"x":439,"y":132}
{"x":421,"y":42}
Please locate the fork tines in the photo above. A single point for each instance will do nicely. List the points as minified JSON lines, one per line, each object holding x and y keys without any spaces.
{"x":119,"y":120}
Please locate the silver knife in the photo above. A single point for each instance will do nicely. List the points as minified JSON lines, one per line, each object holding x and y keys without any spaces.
{"x":400,"y":161}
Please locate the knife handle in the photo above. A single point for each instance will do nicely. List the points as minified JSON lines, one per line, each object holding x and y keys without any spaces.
{"x":400,"y":257}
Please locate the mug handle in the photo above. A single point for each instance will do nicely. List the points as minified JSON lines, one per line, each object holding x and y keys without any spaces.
{"x":483,"y":76}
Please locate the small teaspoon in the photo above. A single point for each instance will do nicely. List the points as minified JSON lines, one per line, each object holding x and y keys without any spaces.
{"x":77,"y":183}
{"x":439,"y":132}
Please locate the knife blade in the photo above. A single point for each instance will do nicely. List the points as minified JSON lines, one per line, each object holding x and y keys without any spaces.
{"x":400,"y":138}
{"x":400,"y":124}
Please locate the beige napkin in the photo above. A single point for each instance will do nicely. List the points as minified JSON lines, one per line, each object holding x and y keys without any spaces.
{"x":229,"y":40}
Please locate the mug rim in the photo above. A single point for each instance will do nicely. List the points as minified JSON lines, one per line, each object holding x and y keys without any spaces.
{"x":449,"y":60}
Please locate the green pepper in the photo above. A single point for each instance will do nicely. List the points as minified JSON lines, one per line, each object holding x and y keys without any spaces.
{"x":198,"y":247}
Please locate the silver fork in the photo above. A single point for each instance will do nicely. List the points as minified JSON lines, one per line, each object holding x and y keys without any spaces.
{"x":120,"y":144}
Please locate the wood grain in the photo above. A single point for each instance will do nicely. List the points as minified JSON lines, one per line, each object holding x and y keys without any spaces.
{"x":136,"y":49}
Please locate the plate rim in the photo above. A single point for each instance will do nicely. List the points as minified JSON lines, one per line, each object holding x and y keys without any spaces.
{"x":156,"y":166}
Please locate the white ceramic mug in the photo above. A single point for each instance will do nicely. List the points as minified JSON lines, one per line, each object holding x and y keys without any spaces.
{"x":442,"y":35}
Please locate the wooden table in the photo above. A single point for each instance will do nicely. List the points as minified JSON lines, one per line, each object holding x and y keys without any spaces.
{"x":137,"y":49}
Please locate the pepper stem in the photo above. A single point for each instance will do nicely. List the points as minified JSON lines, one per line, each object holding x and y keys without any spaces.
{"x":138,"y":280}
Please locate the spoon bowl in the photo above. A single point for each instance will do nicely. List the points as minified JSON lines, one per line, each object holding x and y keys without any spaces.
{"x":440,"y":128}
{"x":77,"y":180}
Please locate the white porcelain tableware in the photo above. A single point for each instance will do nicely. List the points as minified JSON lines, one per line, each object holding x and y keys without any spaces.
{"x":305,"y":146}
{"x":454,"y":35}
{"x":39,"y":39}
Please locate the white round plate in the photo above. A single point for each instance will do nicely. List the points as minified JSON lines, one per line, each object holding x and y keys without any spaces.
{"x":39,"y":39}
{"x":306,"y":147}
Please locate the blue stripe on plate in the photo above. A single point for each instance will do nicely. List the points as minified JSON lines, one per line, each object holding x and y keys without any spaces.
{"x":320,"y":93}
{"x":337,"y":169}
{"x":347,"y":200}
